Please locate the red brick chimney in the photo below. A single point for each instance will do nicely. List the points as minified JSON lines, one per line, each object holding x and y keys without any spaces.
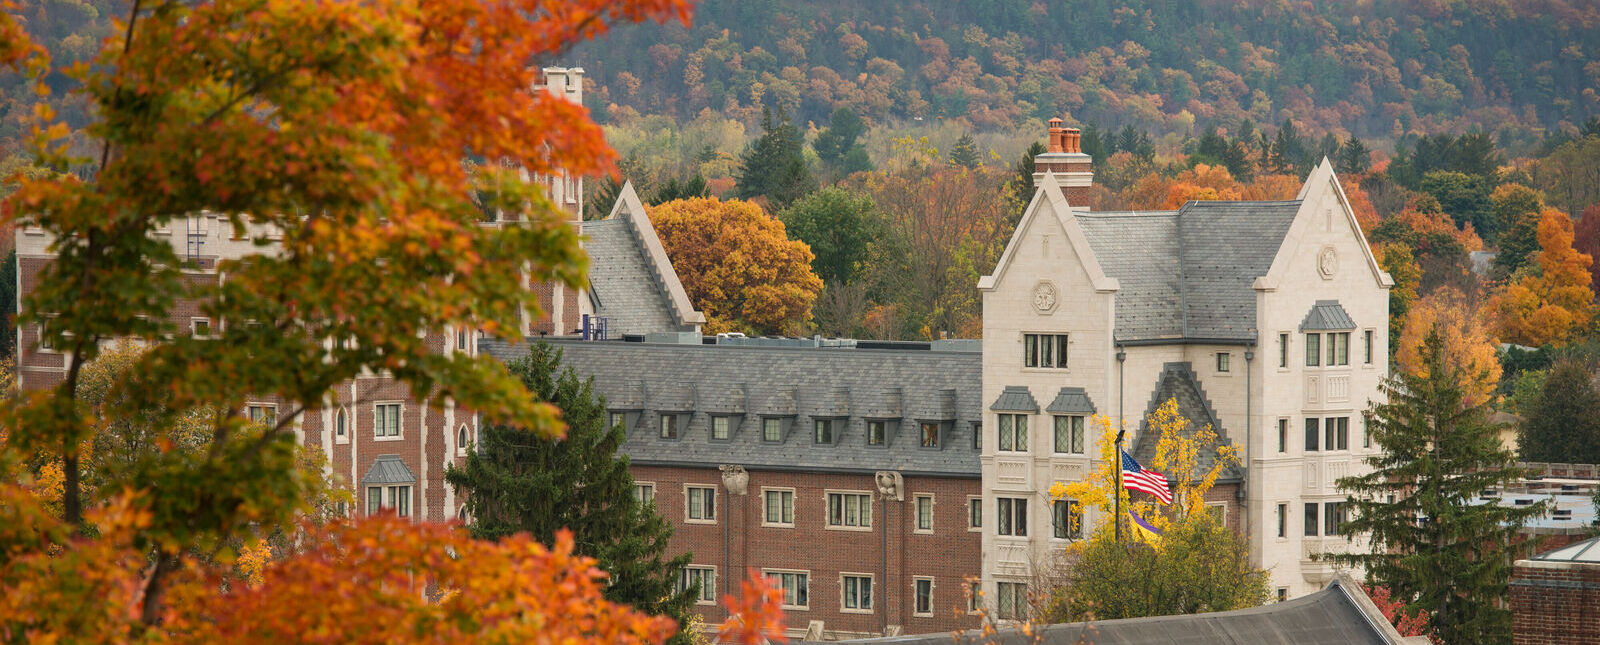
{"x":1065,"y":159}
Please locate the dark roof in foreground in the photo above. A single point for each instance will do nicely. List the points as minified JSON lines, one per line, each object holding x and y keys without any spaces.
{"x":751,"y":382}
{"x":1188,"y":274}
{"x":1340,"y":614}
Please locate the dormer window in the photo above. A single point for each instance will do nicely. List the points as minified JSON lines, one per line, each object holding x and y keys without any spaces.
{"x":825,"y":429}
{"x":772,"y":430}
{"x":669,"y":426}
{"x":932,"y":434}
{"x":877,"y":432}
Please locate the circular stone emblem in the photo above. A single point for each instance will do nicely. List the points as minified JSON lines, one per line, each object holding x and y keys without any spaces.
{"x":1327,"y":262}
{"x":1044,"y":296}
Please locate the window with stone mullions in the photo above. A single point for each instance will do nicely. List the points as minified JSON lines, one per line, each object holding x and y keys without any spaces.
{"x":857,"y":592}
{"x":850,"y":509}
{"x":1012,"y":515}
{"x":1012,"y":601}
{"x":1013,"y":431}
{"x":1313,"y":350}
{"x":1044,"y":350}
{"x":1066,"y":519}
{"x":1338,"y":348}
{"x":1069,"y":435}
{"x":1313,"y":430}
{"x":877,"y":432}
{"x":780,"y":507}
{"x":705,"y":577}
{"x":1337,"y":433}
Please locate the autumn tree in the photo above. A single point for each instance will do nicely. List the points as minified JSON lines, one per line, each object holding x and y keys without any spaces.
{"x":738,"y":265}
{"x":1397,"y":260}
{"x":1430,"y":547}
{"x":518,"y":482}
{"x":1563,"y":422}
{"x":1555,"y":303}
{"x":1465,"y":342}
{"x":773,"y":167}
{"x":1019,"y":189}
{"x":1586,"y":240}
{"x":338,"y":126}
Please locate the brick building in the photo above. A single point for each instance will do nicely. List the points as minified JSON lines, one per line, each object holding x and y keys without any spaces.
{"x":1554,"y":596}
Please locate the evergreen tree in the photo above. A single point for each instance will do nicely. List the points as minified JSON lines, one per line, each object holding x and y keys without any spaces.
{"x":604,"y":198}
{"x":1019,"y":189}
{"x":1355,"y":158}
{"x":1328,"y":148}
{"x":1429,"y":546}
{"x":837,"y":145}
{"x":1564,"y":422}
{"x":1091,"y":144}
{"x":965,"y":153}
{"x":773,"y":166}
{"x":1289,"y":155}
{"x":515,"y":481}
{"x":674,"y":190}
{"x":1212,"y":148}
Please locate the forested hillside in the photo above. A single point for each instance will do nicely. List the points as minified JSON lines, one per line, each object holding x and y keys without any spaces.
{"x":1377,"y":70}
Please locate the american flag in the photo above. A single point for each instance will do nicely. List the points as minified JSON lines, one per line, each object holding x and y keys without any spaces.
{"x":1140,"y":479}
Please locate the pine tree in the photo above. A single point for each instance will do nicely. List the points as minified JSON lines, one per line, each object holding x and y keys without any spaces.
{"x":1354,"y":158}
{"x":965,"y":153}
{"x":1564,"y":422}
{"x":604,"y":198}
{"x":1429,"y":546}
{"x":773,"y":166}
{"x":1020,"y":188}
{"x":515,"y":481}
{"x":837,"y":145}
{"x":674,"y":190}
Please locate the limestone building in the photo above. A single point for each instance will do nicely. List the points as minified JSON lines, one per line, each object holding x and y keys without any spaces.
{"x":1267,"y":320}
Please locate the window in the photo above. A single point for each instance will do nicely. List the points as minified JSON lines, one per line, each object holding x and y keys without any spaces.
{"x":1313,"y":350}
{"x":974,"y":595}
{"x":669,"y":426}
{"x":793,"y":585}
{"x":1013,"y":432}
{"x":930,"y":434}
{"x":1013,"y":516}
{"x":1333,"y":515}
{"x":824,"y":431}
{"x":619,"y":419}
{"x":850,"y":510}
{"x":703,"y":578}
{"x":974,"y":513}
{"x":1044,"y":350}
{"x":397,"y":498}
{"x":374,"y":499}
{"x":387,"y":420}
{"x":1366,"y":431}
{"x":1283,"y":435}
{"x":772,"y":430}
{"x":1366,"y":346}
{"x":1283,"y":350}
{"x":1066,"y":519}
{"x":1338,"y":348}
{"x":877,"y":432}
{"x":924,"y":513}
{"x":977,"y":436}
{"x":858,"y":592}
{"x":780,"y":507}
{"x":1218,"y":513}
{"x":702,"y":503}
{"x":1283,"y":520}
{"x":461,"y":339}
{"x":719,"y":428}
{"x":645,"y":493}
{"x":44,"y":341}
{"x":1069,"y":435}
{"x":1338,"y":433}
{"x":1223,"y":360}
{"x":922,"y":590}
{"x":1312,"y":429}
{"x":1011,"y":600}
{"x":1283,"y":594}
{"x":461,"y":439}
{"x":263,"y":413}
{"x":1311,"y":519}
{"x":341,"y":424}
{"x":201,"y":327}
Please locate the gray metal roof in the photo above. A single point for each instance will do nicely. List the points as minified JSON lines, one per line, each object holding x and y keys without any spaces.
{"x":1585,"y":551}
{"x":1071,"y":400}
{"x":1340,"y":614}
{"x":1188,"y":274}
{"x":1327,"y":315}
{"x":625,"y":290}
{"x":795,"y":385}
{"x":1015,"y":398}
{"x":1178,"y":381}
{"x":388,"y":469}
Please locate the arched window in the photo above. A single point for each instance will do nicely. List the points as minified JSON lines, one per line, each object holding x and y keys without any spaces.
{"x":340,"y":423}
{"x":461,"y":438}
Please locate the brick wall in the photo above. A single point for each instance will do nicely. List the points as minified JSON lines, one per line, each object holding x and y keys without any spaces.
{"x":1555,"y":603}
{"x":738,"y":539}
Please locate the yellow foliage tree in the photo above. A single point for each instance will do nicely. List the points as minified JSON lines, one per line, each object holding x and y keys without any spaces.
{"x":1554,"y":302}
{"x":738,"y":265}
{"x":1467,"y":342}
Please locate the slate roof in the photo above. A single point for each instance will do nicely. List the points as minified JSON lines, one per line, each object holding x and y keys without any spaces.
{"x":1339,"y":614}
{"x":1178,"y":381}
{"x":388,"y":469}
{"x":617,"y":270}
{"x":1327,"y":315}
{"x":1188,"y":274}
{"x":1071,"y":400}
{"x":794,"y":384}
{"x":1015,"y":398}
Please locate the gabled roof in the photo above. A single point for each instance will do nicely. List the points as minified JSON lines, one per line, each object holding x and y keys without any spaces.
{"x":1585,"y":551}
{"x":388,"y":469}
{"x":1071,"y":400}
{"x":1178,"y":381}
{"x":1015,"y":398}
{"x":631,"y":279}
{"x":1327,"y":315}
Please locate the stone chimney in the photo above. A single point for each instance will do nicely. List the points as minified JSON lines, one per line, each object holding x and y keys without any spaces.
{"x":1064,"y":158}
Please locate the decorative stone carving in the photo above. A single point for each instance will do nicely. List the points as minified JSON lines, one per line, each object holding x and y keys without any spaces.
{"x":735,"y":479}
{"x":1327,"y":262}
{"x":1044,"y":296}
{"x":891,"y":485}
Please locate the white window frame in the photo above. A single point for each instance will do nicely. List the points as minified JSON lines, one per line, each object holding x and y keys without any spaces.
{"x":270,"y":412}
{"x":194,"y":327}
{"x":971,"y":499}
{"x":727,"y":427}
{"x":463,"y":436}
{"x":764,"y":501}
{"x":776,"y":573}
{"x":399,"y":423}
{"x":643,"y":486}
{"x":341,"y":415}
{"x":708,"y":593}
{"x":916,"y":509}
{"x":865,"y":509}
{"x":689,"y":519}
{"x":872,"y":589}
{"x":388,"y":494}
{"x":916,"y":581}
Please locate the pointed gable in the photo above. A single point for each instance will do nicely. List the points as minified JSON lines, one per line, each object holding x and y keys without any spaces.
{"x":631,"y":281}
{"x":1179,"y":382}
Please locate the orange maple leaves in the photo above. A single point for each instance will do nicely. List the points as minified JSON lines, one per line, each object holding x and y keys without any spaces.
{"x":1555,"y":302}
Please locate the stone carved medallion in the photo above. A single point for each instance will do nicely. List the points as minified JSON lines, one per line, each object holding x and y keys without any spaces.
{"x":1327,"y":262}
{"x":1044,"y":296}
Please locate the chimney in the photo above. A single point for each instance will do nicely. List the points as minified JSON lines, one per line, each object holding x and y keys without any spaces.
{"x":1064,"y":158}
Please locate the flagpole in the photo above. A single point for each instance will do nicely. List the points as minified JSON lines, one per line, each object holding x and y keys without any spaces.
{"x":1118,"y":490}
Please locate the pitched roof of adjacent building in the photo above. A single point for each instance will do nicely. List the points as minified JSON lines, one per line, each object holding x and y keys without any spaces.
{"x":1339,"y":614}
{"x":795,"y":385}
{"x":631,"y":280}
{"x":1188,"y":274}
{"x":1587,"y":551}
{"x":1178,"y":381}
